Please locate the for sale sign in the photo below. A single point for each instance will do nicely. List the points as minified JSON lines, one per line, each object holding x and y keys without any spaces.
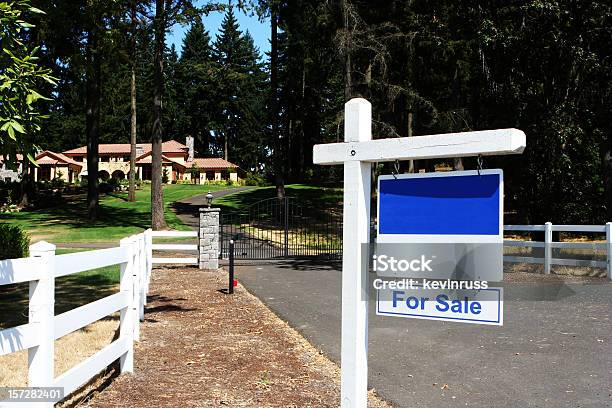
{"x":439,"y":228}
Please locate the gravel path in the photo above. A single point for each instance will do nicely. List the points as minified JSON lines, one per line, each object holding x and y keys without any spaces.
{"x":200,"y":347}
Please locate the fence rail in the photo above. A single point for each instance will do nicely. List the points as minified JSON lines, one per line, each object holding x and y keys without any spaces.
{"x":44,"y":327}
{"x":548,"y":245}
{"x":174,"y":247}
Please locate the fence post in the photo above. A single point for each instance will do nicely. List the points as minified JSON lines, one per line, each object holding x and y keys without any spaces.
{"x":609,"y":248}
{"x":142,"y":273}
{"x":149,"y":243}
{"x":208,"y":238}
{"x":547,"y":247}
{"x":230,"y":288}
{"x":42,"y":313}
{"x":356,"y":237}
{"x":286,"y":246}
{"x":126,"y":325}
{"x":136,"y":287}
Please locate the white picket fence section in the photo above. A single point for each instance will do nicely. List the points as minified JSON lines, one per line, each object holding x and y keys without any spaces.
{"x":44,"y":327}
{"x":174,"y":247}
{"x":549,"y":244}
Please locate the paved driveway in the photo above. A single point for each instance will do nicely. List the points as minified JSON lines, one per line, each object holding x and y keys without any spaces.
{"x":554,"y":350}
{"x":188,"y":210}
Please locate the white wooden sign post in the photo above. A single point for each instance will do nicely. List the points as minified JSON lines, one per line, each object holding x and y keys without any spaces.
{"x":357,"y":154}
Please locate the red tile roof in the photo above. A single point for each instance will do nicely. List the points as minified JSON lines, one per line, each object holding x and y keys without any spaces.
{"x":49,"y":157}
{"x":19,"y":158}
{"x":211,"y":163}
{"x":171,"y":146}
{"x":147,"y":159}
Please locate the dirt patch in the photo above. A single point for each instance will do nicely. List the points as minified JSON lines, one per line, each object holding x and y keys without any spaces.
{"x":200,"y":347}
{"x":69,"y":351}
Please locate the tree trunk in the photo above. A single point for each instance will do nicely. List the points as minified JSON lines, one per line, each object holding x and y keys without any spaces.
{"x":458,"y":163}
{"x":279,"y":159}
{"x":411,"y":167}
{"x":348,"y":85}
{"x":132,"y":188}
{"x":607,"y":167}
{"x":157,"y":193}
{"x":26,"y":182}
{"x":226,"y":145}
{"x":92,"y":126}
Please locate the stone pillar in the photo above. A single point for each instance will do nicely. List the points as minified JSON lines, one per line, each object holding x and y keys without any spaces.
{"x":209,"y":238}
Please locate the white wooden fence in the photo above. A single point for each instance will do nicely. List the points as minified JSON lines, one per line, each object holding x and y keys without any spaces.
{"x":44,"y":327}
{"x":548,"y":260}
{"x":174,"y":247}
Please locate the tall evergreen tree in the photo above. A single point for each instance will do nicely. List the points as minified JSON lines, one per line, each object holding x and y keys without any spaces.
{"x":196,"y":93}
{"x":241,"y":89}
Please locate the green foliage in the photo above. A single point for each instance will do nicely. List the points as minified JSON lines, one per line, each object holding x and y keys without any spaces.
{"x":165,"y":176}
{"x":194,"y":172}
{"x":196,"y":93}
{"x":20,"y":76}
{"x":255,"y":179}
{"x":543,"y":67}
{"x":15,"y":242}
{"x":9,"y":192}
{"x":241,"y":92}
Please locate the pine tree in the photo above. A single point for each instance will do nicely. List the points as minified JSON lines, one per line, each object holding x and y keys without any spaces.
{"x":196,"y":92}
{"x":241,"y":90}
{"x":250,"y":145}
{"x":172,"y":108}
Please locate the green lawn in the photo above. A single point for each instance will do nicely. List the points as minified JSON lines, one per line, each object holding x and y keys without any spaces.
{"x":70,"y":292}
{"x":118,"y":217}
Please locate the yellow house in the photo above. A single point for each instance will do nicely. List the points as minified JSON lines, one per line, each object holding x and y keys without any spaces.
{"x":178,"y":163}
{"x":53,"y":165}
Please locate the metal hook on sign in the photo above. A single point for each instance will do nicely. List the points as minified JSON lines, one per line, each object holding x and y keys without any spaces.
{"x":479,"y":163}
{"x":396,"y":169}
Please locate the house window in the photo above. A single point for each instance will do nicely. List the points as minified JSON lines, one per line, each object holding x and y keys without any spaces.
{"x":45,"y":173}
{"x":210,"y":175}
{"x":225,"y":175}
{"x":146,"y":172}
{"x":104,"y":159}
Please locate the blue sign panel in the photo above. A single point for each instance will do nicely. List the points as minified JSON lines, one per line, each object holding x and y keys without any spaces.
{"x":454,"y":203}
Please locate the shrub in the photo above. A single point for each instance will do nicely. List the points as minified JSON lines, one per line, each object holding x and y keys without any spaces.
{"x":106,"y":187}
{"x":9,"y":192}
{"x":15,"y":242}
{"x":254,"y":179}
{"x":165,"y":176}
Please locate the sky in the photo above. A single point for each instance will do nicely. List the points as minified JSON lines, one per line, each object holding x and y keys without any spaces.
{"x":259,"y":30}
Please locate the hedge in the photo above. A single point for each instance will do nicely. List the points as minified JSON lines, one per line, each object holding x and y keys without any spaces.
{"x":14,"y":242}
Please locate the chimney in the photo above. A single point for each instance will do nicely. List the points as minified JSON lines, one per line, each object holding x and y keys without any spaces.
{"x":189,"y":142}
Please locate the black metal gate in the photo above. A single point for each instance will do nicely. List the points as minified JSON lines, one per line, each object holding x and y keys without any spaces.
{"x":280,"y":228}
